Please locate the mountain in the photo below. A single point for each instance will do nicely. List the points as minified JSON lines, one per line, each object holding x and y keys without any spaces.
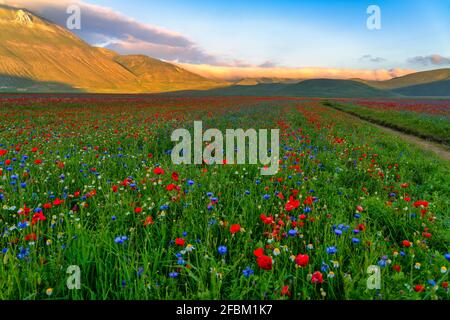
{"x":38,"y":55}
{"x":156,"y":75}
{"x":412,"y":79}
{"x":432,"y":89}
{"x":325,"y":88}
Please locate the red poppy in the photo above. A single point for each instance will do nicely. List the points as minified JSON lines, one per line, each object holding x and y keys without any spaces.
{"x":235,"y":228}
{"x":137,"y":210}
{"x":37,"y":161}
{"x":265,"y":219}
{"x":115,"y":188}
{"x":3,"y":152}
{"x":38,"y":217}
{"x":264,"y":262}
{"x":31,"y":237}
{"x":179,"y":242}
{"x":47,"y":206}
{"x":406,"y":243}
{"x":308,"y":201}
{"x":397,"y":267}
{"x":171,"y":187}
{"x":175,"y":176}
{"x":419,"y":288}
{"x":292,"y":204}
{"x":302,"y":260}
{"x":317,"y":277}
{"x":285,"y":291}
{"x":158,"y":171}
{"x":258,"y":252}
{"x":422,"y":203}
{"x":148,"y":221}
{"x":57,"y":202}
{"x":359,"y":208}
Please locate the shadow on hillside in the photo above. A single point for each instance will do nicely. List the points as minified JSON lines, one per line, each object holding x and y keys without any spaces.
{"x":13,"y":84}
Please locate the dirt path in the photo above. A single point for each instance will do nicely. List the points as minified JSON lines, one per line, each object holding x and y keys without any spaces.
{"x":439,"y":149}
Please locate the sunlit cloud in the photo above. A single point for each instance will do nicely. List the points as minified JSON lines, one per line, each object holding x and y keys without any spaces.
{"x":232,"y":73}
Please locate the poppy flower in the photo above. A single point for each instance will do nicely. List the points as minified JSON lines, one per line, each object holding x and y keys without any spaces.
{"x":308,"y":201}
{"x":421,"y":203}
{"x":148,"y":221}
{"x":406,"y":243}
{"x":419,"y":288}
{"x":179,"y":242}
{"x":397,"y":267}
{"x":158,"y":171}
{"x":317,"y":277}
{"x":302,"y":260}
{"x":265,"y":219}
{"x":30,"y":237}
{"x":235,"y":228}
{"x":264,"y":262}
{"x":285,"y":291}
{"x":359,"y":208}
{"x":171,"y":187}
{"x":292,"y":204}
{"x":115,"y":188}
{"x":3,"y":152}
{"x":258,"y":252}
{"x":175,"y":176}
{"x":137,"y":210}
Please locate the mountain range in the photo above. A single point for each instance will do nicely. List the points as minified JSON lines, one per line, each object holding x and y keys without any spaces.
{"x":37,"y":55}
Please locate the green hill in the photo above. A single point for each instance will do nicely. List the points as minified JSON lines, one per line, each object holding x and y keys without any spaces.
{"x":325,"y":88}
{"x":432,"y":89}
{"x":411,"y":79}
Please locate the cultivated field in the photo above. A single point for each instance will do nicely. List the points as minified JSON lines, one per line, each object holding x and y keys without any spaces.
{"x":89,"y":182}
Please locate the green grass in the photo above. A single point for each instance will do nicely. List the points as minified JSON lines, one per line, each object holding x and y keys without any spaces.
{"x":432,"y":127}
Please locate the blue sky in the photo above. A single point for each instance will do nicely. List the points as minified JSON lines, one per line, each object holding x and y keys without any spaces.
{"x":303,"y":33}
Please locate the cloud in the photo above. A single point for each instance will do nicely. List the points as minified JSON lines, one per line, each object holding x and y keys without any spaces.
{"x":105,"y":27}
{"x":233,"y":73}
{"x":434,"y":59}
{"x":370,"y":58}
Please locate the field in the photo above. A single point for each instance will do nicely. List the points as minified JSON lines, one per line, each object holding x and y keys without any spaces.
{"x":89,"y":182}
{"x":429,"y":120}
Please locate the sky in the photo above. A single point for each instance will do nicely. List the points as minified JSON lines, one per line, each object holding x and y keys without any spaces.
{"x":282,"y":38}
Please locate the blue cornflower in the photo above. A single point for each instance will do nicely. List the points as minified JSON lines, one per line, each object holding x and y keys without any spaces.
{"x":432,"y":283}
{"x":338,"y":232}
{"x":209,"y":194}
{"x":331,"y":250}
{"x":222,"y":250}
{"x":307,"y":210}
{"x":356,"y":240}
{"x":120,"y":239}
{"x":292,"y":232}
{"x":357,"y":215}
{"x":382,"y":263}
{"x":324,"y":267}
{"x":247,"y":192}
{"x":190,"y":182}
{"x":4,"y":250}
{"x":248,"y":272}
{"x":266,"y":196}
{"x":184,"y":233}
{"x":173,"y":274}
{"x":447,"y":256}
{"x":113,"y":218}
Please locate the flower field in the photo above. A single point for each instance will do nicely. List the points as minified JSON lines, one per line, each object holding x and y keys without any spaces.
{"x":89,"y":182}
{"x":429,"y":119}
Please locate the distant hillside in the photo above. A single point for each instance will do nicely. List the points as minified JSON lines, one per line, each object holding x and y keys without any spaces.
{"x":156,"y":75}
{"x":433,"y":89}
{"x":38,"y":55}
{"x":411,"y":79}
{"x":326,"y":88}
